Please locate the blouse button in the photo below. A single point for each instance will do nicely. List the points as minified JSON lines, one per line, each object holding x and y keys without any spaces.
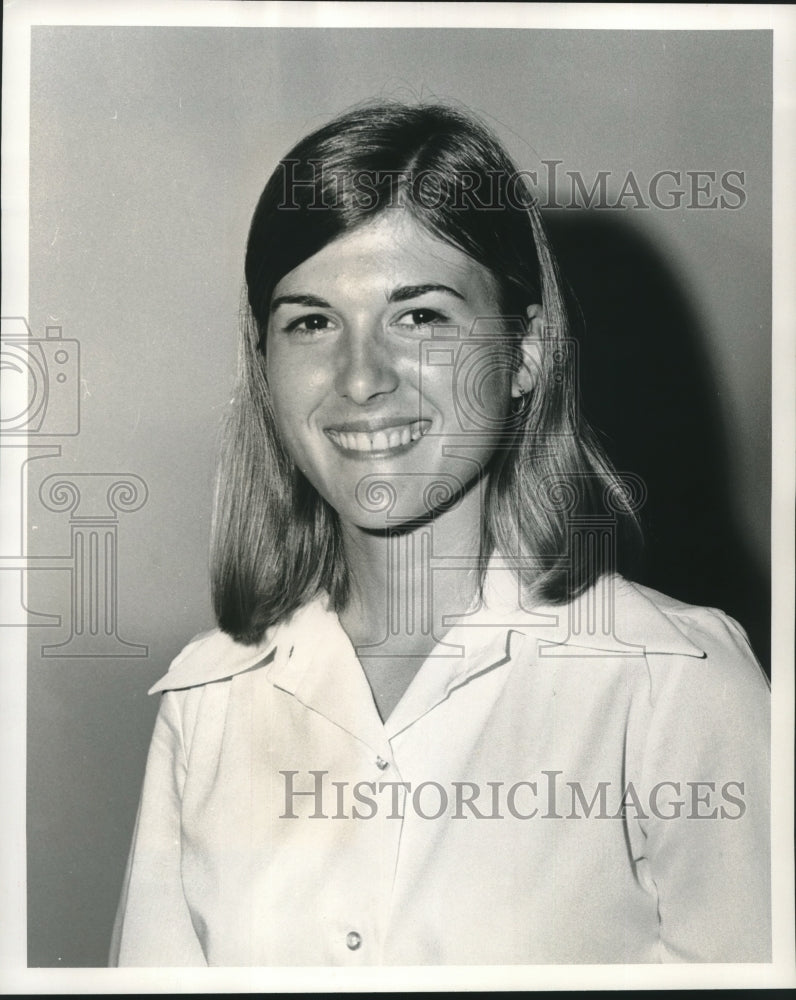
{"x":353,"y":940}
{"x":382,"y":764}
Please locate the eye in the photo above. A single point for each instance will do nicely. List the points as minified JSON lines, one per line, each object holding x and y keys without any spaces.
{"x":312,"y":323}
{"x":420,"y":317}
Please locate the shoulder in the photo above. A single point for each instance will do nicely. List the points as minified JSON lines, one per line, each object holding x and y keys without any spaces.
{"x":721,"y":644}
{"x":617,"y":615}
{"x":694,"y":618}
{"x":716,"y":700}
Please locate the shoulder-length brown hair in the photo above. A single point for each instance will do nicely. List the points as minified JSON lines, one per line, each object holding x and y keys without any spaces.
{"x":276,"y":541}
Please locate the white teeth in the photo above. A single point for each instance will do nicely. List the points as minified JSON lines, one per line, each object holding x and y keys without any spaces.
{"x":389,"y":438}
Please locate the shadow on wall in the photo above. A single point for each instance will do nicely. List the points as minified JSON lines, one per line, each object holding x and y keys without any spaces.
{"x":648,"y":389}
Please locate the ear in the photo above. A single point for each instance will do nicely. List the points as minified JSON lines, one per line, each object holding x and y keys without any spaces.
{"x":524,"y":380}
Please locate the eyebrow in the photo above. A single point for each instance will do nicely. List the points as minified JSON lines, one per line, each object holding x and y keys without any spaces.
{"x":413,"y":291}
{"x":299,"y":300}
{"x":400,"y":294}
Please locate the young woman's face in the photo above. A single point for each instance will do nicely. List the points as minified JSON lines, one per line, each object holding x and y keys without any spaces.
{"x":361,"y":349}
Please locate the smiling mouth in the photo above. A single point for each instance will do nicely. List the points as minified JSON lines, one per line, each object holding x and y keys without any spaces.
{"x":384,"y":439}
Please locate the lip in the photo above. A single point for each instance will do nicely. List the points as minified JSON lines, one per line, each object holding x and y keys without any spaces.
{"x":371,"y":426}
{"x":377,"y":438}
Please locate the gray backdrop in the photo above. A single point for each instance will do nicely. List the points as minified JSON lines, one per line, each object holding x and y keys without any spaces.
{"x":149,"y":147}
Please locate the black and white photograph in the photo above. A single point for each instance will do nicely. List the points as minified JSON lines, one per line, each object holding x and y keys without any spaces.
{"x":397,"y":497}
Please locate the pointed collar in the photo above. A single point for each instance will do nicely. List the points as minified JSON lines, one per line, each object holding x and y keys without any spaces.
{"x":614,"y":617}
{"x":215,"y":656}
{"x":308,"y":655}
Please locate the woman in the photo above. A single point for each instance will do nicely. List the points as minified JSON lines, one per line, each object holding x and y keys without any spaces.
{"x":434,"y":724}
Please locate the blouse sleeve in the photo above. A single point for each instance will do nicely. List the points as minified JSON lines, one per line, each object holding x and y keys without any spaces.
{"x":706,"y":845}
{"x":153,"y":923}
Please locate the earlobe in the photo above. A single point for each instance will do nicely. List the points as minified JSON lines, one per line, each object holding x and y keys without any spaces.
{"x":535,"y":318}
{"x":525,"y":378}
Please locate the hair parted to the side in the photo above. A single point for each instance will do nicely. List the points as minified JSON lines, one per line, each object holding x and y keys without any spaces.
{"x":276,"y":541}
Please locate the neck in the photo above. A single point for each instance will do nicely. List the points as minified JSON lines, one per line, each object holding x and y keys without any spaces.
{"x":397,"y":593}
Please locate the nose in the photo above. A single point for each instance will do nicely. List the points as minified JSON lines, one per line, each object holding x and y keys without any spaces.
{"x":365,"y":368}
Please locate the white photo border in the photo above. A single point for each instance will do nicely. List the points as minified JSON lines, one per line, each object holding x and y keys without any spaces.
{"x":20,"y":16}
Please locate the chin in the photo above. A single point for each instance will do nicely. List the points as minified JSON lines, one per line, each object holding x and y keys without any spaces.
{"x":394,"y":501}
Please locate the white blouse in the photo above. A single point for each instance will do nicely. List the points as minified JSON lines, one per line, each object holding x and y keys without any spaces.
{"x":551,"y":788}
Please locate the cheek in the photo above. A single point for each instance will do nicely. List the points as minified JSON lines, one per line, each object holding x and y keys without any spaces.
{"x":288,"y":407}
{"x":479,"y":391}
{"x":294,"y":386}
{"x":494,"y":389}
